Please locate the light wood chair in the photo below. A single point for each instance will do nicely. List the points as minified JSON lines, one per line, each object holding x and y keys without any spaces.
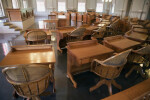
{"x":99,"y":34}
{"x":76,"y":35}
{"x":29,"y":81}
{"x":140,"y":58}
{"x":36,"y":37}
{"x":52,"y":24}
{"x":109,"y":69}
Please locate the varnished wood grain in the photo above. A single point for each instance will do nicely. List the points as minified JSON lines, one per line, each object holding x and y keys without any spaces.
{"x":42,"y":56}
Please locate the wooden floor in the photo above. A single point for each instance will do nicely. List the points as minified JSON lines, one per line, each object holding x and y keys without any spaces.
{"x":64,"y":87}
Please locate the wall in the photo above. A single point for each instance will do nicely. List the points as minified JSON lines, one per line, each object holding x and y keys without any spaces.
{"x":139,"y":9}
{"x":119,"y":8}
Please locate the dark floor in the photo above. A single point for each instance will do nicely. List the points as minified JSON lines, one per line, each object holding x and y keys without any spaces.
{"x":64,"y":87}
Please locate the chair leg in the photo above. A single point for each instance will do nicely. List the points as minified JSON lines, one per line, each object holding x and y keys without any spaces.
{"x":109,"y":87}
{"x":140,"y":70}
{"x":131,"y":70}
{"x":15,"y":95}
{"x":116,"y":84}
{"x":35,"y":98}
{"x":97,"y":85}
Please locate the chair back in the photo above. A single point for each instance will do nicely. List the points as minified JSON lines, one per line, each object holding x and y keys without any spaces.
{"x":111,"y":67}
{"x":36,"y":37}
{"x":51,"y":24}
{"x":28,"y":80}
{"x":78,"y":32}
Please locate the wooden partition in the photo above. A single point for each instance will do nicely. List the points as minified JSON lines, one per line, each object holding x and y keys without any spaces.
{"x":19,"y":14}
{"x":79,"y":17}
{"x":84,"y":17}
{"x":73,"y":16}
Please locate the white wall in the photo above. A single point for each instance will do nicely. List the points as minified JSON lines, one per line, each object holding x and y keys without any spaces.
{"x":137,"y":8}
{"x":119,"y":9}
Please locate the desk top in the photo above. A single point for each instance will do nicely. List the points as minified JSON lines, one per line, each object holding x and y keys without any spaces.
{"x":124,"y":43}
{"x":38,"y":56}
{"x":66,"y":30}
{"x":48,"y":32}
{"x":139,"y":36}
{"x":141,"y":30}
{"x":90,"y":51}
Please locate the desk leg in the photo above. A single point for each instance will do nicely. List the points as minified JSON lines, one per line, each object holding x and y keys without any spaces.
{"x":53,"y":68}
{"x":69,"y":66}
{"x":58,"y":39}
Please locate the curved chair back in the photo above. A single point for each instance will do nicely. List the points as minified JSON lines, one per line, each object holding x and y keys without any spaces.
{"x":28,"y":80}
{"x":111,"y":67}
{"x":36,"y":37}
{"x":78,"y":32}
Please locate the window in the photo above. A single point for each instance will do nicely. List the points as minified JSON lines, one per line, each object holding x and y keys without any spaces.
{"x":40,"y":5}
{"x":1,"y":9}
{"x":25,"y":4}
{"x":113,"y":8}
{"x":99,"y":7}
{"x":15,"y":3}
{"x":81,"y":6}
{"x":61,"y":6}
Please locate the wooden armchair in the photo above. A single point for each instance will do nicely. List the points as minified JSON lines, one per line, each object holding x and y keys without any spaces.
{"x":51,"y":24}
{"x":140,"y":58}
{"x":29,"y":81}
{"x":109,"y":69}
{"x":36,"y":37}
{"x":99,"y":34}
{"x":76,"y":35}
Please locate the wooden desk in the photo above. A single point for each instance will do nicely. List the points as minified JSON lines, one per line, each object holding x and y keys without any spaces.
{"x":27,"y":54}
{"x":140,"y":30}
{"x":31,"y":54}
{"x":81,"y":53}
{"x":48,"y":32}
{"x":61,"y":34}
{"x":62,"y":20}
{"x":141,"y":37}
{"x":119,"y":43}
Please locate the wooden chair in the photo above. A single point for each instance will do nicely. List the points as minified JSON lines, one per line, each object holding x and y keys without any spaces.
{"x":36,"y":37}
{"x":51,"y":24}
{"x":140,"y":58}
{"x":99,"y":34}
{"x":29,"y":81}
{"x":76,"y":35}
{"x":109,"y":69}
